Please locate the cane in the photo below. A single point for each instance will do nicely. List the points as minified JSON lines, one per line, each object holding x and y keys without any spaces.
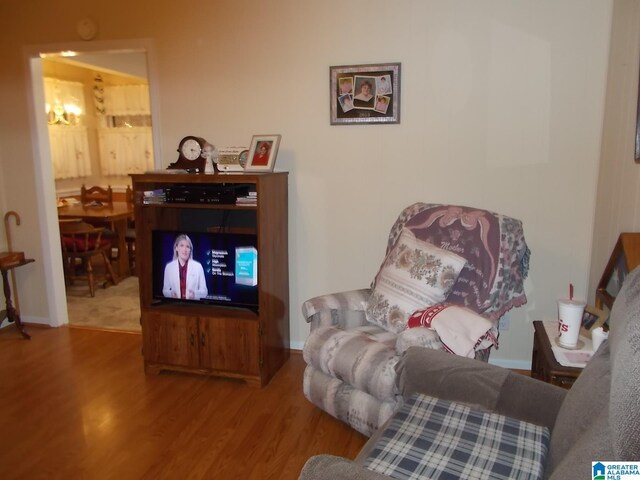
{"x":7,"y":216}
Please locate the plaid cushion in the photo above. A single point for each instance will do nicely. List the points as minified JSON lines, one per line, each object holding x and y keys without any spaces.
{"x":432,"y":438}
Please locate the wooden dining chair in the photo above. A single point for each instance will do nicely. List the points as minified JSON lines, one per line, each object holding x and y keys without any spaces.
{"x":96,"y":194}
{"x":130,"y":234}
{"x":81,"y":244}
{"x":99,"y":196}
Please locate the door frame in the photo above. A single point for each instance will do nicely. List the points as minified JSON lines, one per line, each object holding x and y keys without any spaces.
{"x":43,"y":168}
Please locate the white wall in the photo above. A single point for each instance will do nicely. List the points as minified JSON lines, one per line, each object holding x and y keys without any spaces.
{"x":502,"y":108}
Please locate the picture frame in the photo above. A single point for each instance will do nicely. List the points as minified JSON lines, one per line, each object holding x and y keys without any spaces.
{"x":262,"y":153}
{"x":232,"y":159}
{"x":363,"y":94}
{"x":592,"y":318}
{"x":624,"y":258}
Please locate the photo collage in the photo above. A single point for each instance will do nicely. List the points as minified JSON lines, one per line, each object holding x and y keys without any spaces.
{"x":364,"y":92}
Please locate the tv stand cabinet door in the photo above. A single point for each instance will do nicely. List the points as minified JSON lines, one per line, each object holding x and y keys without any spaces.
{"x":230,"y":345}
{"x":170,"y":340}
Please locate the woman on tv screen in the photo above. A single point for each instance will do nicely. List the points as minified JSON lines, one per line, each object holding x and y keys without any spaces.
{"x":184,"y":276}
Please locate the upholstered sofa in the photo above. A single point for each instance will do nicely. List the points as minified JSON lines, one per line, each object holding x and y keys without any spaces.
{"x":357,"y":337}
{"x":598,"y":419}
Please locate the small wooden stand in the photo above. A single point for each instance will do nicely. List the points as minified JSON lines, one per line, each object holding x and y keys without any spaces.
{"x":544,"y":365}
{"x":9,"y":261}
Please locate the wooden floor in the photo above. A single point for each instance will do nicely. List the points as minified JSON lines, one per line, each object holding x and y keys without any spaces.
{"x":75,"y":404}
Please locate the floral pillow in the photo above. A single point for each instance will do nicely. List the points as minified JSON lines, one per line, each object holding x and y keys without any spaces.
{"x":415,"y":274}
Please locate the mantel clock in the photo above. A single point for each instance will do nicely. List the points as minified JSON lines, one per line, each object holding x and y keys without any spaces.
{"x":193,"y":154}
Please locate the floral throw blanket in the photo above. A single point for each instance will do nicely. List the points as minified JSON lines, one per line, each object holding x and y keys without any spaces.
{"x":491,"y":282}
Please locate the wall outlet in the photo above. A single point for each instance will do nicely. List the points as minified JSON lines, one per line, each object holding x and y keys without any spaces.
{"x":503,"y":323}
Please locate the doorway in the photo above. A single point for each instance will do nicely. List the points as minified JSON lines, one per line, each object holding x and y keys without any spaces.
{"x":52,"y":261}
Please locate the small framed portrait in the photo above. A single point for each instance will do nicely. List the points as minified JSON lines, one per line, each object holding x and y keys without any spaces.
{"x":382,"y":103}
{"x":592,"y":318}
{"x":365,"y":93}
{"x":383,"y":85}
{"x":262,"y":153}
{"x":346,"y":85}
{"x":346,"y":102}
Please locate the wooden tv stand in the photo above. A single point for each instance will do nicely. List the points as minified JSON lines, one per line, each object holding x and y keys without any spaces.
{"x":207,"y":339}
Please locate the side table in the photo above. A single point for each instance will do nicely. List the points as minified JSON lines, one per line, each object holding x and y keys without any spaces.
{"x":11,"y":312}
{"x":544,"y":365}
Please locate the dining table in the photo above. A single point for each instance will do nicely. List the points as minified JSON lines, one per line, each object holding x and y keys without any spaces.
{"x":113,"y":216}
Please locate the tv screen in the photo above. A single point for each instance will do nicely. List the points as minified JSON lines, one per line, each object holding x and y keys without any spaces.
{"x":221,"y":268}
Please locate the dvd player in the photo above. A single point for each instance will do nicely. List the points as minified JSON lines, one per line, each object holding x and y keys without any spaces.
{"x":222,"y":194}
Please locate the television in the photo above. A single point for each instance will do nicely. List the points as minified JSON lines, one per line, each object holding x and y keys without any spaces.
{"x":222,"y":268}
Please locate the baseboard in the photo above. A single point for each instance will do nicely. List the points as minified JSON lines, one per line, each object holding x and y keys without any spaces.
{"x":27,"y":320}
{"x":511,"y":364}
{"x":36,"y":320}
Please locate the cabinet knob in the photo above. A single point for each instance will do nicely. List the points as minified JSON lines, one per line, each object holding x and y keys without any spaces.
{"x":192,"y":339}
{"x":202,"y":339}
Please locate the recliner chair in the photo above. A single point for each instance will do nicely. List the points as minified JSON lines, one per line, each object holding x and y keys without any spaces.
{"x":480,"y":259}
{"x":597,"y":420}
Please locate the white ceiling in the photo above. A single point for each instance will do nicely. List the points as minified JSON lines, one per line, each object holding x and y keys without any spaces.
{"x":127,"y":63}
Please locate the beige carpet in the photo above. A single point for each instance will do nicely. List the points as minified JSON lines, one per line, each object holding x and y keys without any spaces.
{"x":116,"y":307}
